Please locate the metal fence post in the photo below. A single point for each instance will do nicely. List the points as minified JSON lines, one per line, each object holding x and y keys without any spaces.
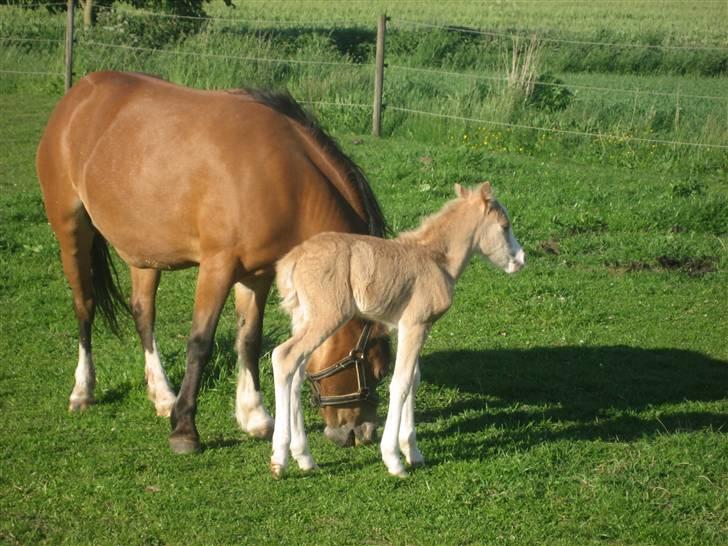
{"x":379,"y":76}
{"x":71,"y":5}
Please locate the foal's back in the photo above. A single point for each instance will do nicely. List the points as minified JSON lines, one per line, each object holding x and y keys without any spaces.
{"x":378,"y":279}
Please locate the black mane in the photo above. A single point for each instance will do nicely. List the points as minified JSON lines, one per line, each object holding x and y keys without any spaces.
{"x":283,"y":103}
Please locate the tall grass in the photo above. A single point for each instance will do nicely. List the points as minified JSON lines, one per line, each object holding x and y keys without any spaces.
{"x":542,"y":85}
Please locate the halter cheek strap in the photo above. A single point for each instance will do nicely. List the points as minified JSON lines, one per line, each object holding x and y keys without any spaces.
{"x":356,"y":358}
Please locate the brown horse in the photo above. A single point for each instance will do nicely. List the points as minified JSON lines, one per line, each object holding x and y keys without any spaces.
{"x":227,"y":180}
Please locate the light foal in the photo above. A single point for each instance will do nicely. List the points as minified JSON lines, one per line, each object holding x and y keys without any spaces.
{"x":406,"y":283}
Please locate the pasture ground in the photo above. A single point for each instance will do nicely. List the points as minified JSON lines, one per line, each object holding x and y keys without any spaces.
{"x":584,"y":400}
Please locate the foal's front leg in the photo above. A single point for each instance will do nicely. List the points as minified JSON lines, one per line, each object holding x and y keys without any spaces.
{"x":409,"y":342}
{"x":407,"y":433}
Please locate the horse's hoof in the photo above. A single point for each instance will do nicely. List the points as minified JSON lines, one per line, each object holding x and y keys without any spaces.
{"x":276,"y":471}
{"x":80,"y":404}
{"x":183,"y":444}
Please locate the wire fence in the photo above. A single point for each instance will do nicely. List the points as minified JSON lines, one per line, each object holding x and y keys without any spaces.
{"x":601,"y":136}
{"x":472,"y":75}
{"x":521,"y":36}
{"x":677,"y":95}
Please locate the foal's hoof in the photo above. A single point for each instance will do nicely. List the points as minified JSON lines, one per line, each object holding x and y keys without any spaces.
{"x":276,"y":471}
{"x":309,"y":471}
{"x":184,"y":444}
{"x":164,"y":409}
{"x":262,"y":429}
{"x":80,"y":404}
{"x":401,"y":474}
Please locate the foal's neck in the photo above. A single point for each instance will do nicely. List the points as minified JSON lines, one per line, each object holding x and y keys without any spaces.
{"x":448,"y":233}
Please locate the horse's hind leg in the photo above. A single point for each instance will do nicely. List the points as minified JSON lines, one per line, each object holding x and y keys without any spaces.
{"x":75,"y":235}
{"x":249,"y":410}
{"x":144,"y":283}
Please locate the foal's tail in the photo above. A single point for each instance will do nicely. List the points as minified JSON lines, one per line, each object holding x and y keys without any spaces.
{"x":290,"y":302}
{"x":105,"y":280}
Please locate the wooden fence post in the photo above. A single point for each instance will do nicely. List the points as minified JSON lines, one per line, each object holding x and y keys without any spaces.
{"x":379,"y":76}
{"x":71,"y":5}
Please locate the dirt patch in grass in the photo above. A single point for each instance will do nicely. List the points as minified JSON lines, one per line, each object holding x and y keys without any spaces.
{"x":693,"y":267}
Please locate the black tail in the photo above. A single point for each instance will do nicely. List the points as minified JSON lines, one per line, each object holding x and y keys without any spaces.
{"x":107,"y":294}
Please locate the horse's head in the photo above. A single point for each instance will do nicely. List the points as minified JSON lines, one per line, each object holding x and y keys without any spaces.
{"x":493,"y":237}
{"x":345,"y":372}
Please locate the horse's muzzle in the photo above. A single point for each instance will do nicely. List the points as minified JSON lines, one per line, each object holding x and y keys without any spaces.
{"x":347,"y":436}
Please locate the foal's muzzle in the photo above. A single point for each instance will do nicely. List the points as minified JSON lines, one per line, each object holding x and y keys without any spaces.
{"x":517,"y":263}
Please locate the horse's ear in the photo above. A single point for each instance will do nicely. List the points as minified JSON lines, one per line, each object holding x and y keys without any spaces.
{"x":461,"y":191}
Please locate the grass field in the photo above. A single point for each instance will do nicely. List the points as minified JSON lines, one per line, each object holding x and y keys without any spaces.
{"x":584,"y":400}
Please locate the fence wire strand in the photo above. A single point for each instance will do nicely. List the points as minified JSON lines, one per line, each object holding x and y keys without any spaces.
{"x":552,"y":84}
{"x":495,"y":34}
{"x":554,"y":130}
{"x":222,"y":56}
{"x":31,"y":72}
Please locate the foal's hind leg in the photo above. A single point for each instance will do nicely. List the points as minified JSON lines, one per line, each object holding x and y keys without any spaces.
{"x":249,"y":410}
{"x":144,"y":283}
{"x":289,"y":364}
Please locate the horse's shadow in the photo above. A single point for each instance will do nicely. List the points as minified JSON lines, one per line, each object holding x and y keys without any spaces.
{"x":523,"y":398}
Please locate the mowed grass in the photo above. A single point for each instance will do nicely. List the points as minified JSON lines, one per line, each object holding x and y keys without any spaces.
{"x":583,"y":400}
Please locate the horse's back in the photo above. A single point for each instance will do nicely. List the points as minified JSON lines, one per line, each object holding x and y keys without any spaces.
{"x":196,"y":168}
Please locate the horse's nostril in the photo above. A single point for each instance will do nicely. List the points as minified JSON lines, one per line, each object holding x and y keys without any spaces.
{"x":366,"y":433}
{"x":342,"y":436}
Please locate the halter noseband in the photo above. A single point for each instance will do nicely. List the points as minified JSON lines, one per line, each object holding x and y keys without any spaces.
{"x":355,"y":358}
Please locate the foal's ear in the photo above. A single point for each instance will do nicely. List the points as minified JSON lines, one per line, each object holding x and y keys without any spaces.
{"x":486,"y":191}
{"x":460,"y":191}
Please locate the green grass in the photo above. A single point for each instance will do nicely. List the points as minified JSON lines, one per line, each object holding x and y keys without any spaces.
{"x":581,"y":401}
{"x":689,"y":105}
{"x":584,"y":400}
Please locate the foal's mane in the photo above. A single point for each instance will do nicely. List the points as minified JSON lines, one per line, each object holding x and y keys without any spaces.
{"x":283,"y":103}
{"x":431,"y":223}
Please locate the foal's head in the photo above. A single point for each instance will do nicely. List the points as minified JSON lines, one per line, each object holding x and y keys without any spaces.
{"x":493,"y":236}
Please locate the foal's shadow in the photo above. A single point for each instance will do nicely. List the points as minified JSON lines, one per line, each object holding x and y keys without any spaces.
{"x":528,"y":397}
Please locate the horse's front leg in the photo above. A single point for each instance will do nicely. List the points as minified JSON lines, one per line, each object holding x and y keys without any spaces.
{"x":213,"y":285}
{"x":249,"y":409}
{"x":410,"y":339}
{"x":144,"y":284}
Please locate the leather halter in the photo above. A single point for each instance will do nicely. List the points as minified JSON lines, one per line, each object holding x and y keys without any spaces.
{"x":356,"y":358}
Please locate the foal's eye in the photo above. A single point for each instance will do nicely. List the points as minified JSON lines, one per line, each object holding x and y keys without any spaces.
{"x":506,"y":227}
